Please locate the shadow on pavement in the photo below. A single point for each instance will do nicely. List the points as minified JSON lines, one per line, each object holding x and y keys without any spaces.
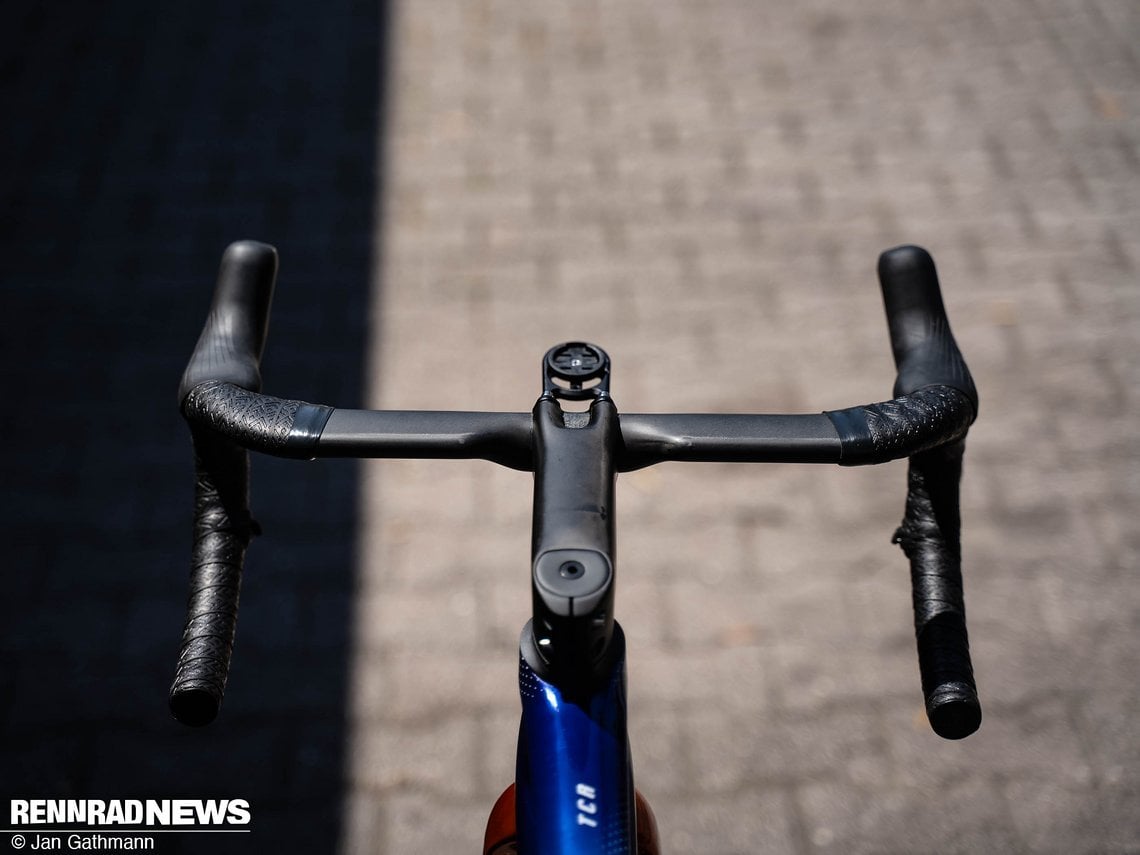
{"x":140,"y":139}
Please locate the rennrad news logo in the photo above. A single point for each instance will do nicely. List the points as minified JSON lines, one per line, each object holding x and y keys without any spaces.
{"x":175,"y":813}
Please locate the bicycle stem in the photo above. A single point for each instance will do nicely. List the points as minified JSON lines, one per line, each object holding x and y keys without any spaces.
{"x":572,"y":547}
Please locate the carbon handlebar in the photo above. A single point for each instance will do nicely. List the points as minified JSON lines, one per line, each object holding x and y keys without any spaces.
{"x":228,"y":351}
{"x":926,"y":356}
{"x":935,"y":403}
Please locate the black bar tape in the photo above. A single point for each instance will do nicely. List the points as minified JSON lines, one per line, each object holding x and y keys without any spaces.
{"x":907,"y":425}
{"x":856,"y":444}
{"x":222,"y":531}
{"x":929,"y":535}
{"x":222,"y":414}
{"x":259,"y":422}
{"x":936,"y":387}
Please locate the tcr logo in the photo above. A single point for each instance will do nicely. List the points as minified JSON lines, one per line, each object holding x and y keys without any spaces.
{"x":587,"y":805}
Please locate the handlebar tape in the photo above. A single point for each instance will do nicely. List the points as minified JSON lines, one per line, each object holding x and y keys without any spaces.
{"x":927,"y":357}
{"x":277,"y":426}
{"x":228,"y":351}
{"x":222,"y":531}
{"x":909,"y":424}
{"x":929,"y":536}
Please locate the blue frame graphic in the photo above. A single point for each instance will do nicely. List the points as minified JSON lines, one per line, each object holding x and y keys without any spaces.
{"x":574,"y":778}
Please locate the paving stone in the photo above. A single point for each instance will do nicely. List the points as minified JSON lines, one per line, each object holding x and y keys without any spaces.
{"x":714,"y":183}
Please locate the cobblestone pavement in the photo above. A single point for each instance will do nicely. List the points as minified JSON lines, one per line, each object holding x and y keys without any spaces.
{"x":701,"y":188}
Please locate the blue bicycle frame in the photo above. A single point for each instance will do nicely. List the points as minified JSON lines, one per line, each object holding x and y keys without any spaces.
{"x":574,"y":781}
